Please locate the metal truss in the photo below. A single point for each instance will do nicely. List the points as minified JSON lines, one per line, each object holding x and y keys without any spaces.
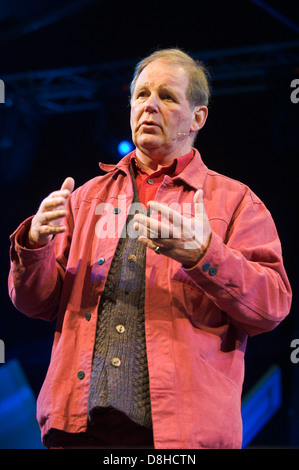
{"x":248,"y":69}
{"x":69,"y":89}
{"x":235,"y":70}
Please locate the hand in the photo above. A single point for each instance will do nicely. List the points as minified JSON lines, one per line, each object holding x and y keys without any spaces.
{"x":48,"y":219}
{"x":183,"y":239}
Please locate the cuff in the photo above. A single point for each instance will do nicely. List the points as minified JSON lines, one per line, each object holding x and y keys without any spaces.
{"x":208,"y":266}
{"x":18,"y":243}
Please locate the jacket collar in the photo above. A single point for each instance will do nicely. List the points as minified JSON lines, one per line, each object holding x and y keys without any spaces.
{"x":193,"y":174}
{"x":123,"y":164}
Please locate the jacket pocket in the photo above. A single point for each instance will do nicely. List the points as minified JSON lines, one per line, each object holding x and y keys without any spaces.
{"x":213,"y":338}
{"x":195,"y":304}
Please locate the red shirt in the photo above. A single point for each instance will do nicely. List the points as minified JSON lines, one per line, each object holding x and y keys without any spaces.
{"x":147,"y":185}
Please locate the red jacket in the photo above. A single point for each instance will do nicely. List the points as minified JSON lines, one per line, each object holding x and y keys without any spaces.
{"x":196,"y":320}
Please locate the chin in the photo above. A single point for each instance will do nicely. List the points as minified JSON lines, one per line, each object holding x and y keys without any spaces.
{"x":148,"y":144}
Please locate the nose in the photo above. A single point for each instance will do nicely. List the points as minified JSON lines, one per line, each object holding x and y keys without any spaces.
{"x":151,"y":104}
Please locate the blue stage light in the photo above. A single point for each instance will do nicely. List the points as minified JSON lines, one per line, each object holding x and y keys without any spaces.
{"x":261,"y":402}
{"x":18,"y":424}
{"x":124,"y":147}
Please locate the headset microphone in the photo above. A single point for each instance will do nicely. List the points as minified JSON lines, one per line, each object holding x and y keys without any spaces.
{"x":182,"y":135}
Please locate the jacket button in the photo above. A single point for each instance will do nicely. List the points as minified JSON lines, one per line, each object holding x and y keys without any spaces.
{"x":120,"y":329}
{"x":213,"y":271}
{"x":101,"y":260}
{"x":115,"y":362}
{"x":87,"y":316}
{"x":116,"y":210}
{"x":206,"y":267}
{"x":80,"y":375}
{"x":150,"y":181}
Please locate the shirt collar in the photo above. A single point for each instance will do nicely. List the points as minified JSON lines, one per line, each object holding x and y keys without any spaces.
{"x":174,"y":169}
{"x":192,"y":173}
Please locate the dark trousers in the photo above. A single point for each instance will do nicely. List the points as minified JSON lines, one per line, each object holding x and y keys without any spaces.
{"x":108,"y":429}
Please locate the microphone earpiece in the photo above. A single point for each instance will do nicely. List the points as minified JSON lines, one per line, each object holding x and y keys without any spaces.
{"x":182,"y":135}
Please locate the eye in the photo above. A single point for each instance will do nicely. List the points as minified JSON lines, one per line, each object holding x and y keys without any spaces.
{"x":167,"y":96}
{"x":141,"y":94}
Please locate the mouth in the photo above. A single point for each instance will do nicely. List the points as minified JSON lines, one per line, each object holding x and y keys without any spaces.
{"x":149,"y":123}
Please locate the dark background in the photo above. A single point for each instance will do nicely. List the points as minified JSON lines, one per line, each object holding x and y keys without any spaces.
{"x":85,"y":52}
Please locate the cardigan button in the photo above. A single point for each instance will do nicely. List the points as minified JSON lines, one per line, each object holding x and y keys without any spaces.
{"x":101,"y":260}
{"x":120,"y":329}
{"x":115,"y":362}
{"x":150,"y":181}
{"x":87,"y":316}
{"x":81,"y":374}
{"x":116,"y":210}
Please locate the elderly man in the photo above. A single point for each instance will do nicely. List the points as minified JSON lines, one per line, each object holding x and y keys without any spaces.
{"x":156,"y":272}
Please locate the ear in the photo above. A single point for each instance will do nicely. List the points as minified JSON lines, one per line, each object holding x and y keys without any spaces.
{"x":200,"y":115}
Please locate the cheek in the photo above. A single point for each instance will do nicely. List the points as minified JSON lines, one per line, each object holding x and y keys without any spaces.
{"x":177,"y":120}
{"x":134,"y":114}
{"x":131,"y":123}
{"x":132,"y":118}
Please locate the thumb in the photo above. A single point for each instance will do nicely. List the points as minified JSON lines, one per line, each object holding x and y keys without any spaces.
{"x":199,"y":209}
{"x":69,"y":184}
{"x":198,"y":196}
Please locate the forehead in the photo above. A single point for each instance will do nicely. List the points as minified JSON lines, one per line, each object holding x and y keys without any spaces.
{"x":162,"y":73}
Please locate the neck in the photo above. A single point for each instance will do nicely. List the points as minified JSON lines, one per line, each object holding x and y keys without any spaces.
{"x":151,"y":165}
{"x":154,"y":161}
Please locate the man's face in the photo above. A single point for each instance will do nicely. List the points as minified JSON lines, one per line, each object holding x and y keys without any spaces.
{"x":160,"y":110}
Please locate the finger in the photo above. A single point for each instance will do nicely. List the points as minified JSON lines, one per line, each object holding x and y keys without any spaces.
{"x":180,"y":225}
{"x":198,"y":204}
{"x":152,"y":228}
{"x":145,"y":226}
{"x":62,"y":193}
{"x":145,"y":241}
{"x":69,"y":184}
{"x":65,"y":190}
{"x":51,"y":229}
{"x":52,"y":216}
{"x":148,"y":243}
{"x":169,"y":214}
{"x":52,"y":203}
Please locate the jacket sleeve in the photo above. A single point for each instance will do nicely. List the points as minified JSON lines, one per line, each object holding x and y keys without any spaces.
{"x":36,"y":275}
{"x":244,"y":274}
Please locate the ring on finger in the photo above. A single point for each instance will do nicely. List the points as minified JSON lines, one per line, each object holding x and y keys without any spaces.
{"x":157,"y":250}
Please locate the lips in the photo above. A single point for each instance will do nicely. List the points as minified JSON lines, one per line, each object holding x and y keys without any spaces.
{"x":149,"y":124}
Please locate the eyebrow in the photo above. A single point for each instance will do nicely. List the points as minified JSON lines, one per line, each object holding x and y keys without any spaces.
{"x":162,"y":87}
